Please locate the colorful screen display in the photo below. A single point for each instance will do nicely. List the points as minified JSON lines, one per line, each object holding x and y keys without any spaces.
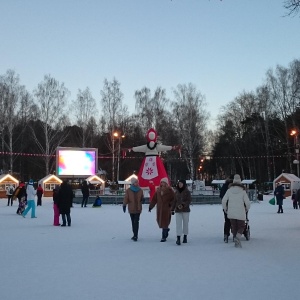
{"x":74,"y":162}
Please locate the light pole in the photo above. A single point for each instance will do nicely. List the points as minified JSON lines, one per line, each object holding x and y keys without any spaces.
{"x":117,"y":135}
{"x":295,"y":134}
{"x":113,"y":158}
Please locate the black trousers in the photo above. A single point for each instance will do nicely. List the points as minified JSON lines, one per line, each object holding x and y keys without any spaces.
{"x":227,"y":225}
{"x":84,"y":201}
{"x":63,"y":216}
{"x":135,"y":221}
{"x":39,"y":201}
{"x":9,"y":199}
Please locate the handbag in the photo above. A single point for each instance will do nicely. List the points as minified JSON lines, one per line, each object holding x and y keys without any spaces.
{"x":272,"y":201}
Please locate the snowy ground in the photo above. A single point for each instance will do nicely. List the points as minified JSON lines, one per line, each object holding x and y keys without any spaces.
{"x":95,"y":258}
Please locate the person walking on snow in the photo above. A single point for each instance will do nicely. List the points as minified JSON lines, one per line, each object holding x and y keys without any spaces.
{"x":134,"y":198}
{"x":9,"y":194}
{"x":279,"y":195}
{"x":85,"y":194}
{"x":163,"y":199}
{"x":227,"y":224}
{"x":65,"y":200}
{"x":181,"y":207}
{"x":236,"y":205}
{"x":39,"y":193}
{"x":31,"y":193}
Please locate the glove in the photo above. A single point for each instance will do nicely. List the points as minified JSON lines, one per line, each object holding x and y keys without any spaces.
{"x":149,"y":209}
{"x":124,"y":208}
{"x":173,"y":212}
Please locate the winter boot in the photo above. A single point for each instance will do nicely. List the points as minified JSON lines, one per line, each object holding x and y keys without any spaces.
{"x":237,"y":241}
{"x":178,"y":240}
{"x":184,"y":239}
{"x":164,"y":235}
{"x":225,"y":238}
{"x":167,"y":232}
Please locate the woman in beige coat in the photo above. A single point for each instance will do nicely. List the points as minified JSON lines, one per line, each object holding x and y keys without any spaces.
{"x":236,"y":204}
{"x":163,"y":198}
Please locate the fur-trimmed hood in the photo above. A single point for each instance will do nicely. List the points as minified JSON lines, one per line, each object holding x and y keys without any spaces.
{"x":236,"y":184}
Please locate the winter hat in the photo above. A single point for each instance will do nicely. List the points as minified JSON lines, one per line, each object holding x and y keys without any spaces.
{"x":30,"y":182}
{"x":133,"y":180}
{"x":165,"y":179}
{"x":237,"y":179}
{"x":184,"y":185}
{"x":182,"y":181}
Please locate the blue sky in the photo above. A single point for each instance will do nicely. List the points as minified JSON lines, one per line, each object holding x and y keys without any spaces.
{"x":223,"y":47}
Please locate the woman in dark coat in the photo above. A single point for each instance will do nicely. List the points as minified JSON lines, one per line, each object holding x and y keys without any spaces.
{"x":65,"y":199}
{"x":279,"y":194}
{"x":163,"y":199}
{"x":181,"y":206}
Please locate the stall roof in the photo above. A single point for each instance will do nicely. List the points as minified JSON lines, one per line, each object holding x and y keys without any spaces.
{"x":218,"y":181}
{"x":131,"y":176}
{"x":8,"y":176}
{"x":94,"y":179}
{"x":49,"y":178}
{"x":124,"y":182}
{"x":248,"y":181}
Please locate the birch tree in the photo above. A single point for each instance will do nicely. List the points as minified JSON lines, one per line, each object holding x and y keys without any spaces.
{"x":112,"y":110}
{"x":191,"y":118}
{"x":51,"y":100}
{"x":12,"y":95}
{"x":85,"y":110}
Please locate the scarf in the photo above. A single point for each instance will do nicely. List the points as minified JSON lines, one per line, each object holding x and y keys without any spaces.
{"x":135,"y":188}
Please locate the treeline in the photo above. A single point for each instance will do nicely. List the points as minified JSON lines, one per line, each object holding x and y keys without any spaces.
{"x":252,"y":135}
{"x":34,"y":124}
{"x":254,"y":130}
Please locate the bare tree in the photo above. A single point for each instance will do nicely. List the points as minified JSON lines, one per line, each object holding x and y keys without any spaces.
{"x":51,"y":99}
{"x":293,"y":6}
{"x":191,"y":118}
{"x":151,"y":109}
{"x":85,"y":109}
{"x":12,"y":95}
{"x":112,"y":110}
{"x":284,"y":86}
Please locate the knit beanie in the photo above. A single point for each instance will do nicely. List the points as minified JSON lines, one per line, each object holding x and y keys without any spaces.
{"x":133,"y":180}
{"x":237,"y":179}
{"x":165,"y":179}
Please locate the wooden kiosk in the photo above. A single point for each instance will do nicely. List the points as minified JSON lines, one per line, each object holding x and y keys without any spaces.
{"x":5,"y":181}
{"x":48,"y":183}
{"x":97,"y":185}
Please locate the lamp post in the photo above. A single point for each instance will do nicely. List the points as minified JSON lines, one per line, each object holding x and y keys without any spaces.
{"x":119,"y":137}
{"x":113,"y":159}
{"x":295,"y":134}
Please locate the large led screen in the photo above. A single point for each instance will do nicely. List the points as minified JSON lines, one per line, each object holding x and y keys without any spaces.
{"x":76,"y":161}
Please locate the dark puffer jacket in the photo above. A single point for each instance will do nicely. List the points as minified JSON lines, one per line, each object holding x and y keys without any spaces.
{"x":182,"y":201}
{"x":65,"y":198}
